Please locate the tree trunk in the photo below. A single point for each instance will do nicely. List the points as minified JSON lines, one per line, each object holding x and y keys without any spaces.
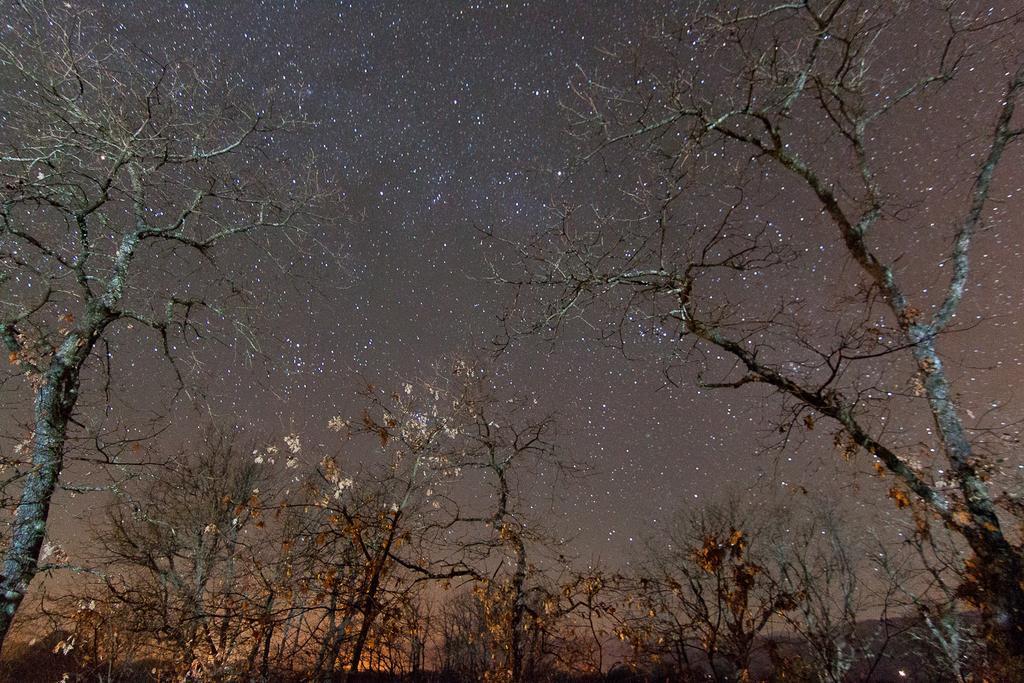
{"x":54,"y":401}
{"x":368,"y":609}
{"x":1000,"y":573}
{"x":516,"y":653}
{"x":268,"y":638}
{"x":326,"y":645}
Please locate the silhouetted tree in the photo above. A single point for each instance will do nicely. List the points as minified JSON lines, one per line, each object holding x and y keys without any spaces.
{"x":119,"y":175}
{"x":760,"y":231}
{"x":458,"y":433}
{"x":181,"y":556}
{"x":712,"y":593}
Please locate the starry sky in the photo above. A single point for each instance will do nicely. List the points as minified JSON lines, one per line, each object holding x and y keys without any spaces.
{"x":438,"y":118}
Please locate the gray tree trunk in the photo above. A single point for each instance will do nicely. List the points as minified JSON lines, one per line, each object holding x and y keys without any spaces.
{"x":55,"y":400}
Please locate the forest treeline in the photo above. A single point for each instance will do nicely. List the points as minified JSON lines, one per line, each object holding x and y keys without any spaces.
{"x":417,"y":551}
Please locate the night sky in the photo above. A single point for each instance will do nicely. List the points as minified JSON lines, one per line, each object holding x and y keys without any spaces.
{"x":436,"y":118}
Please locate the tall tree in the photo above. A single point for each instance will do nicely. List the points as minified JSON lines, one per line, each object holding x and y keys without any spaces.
{"x":184,"y":555}
{"x":124,"y":180}
{"x":708,"y":591}
{"x":460,"y":449}
{"x":770,"y":185}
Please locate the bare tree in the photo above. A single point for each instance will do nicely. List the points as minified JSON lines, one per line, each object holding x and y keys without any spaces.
{"x":358,"y":523}
{"x":763,"y":146}
{"x":843,"y":615}
{"x":464,"y":450}
{"x":925,"y":577}
{"x":182,"y":554}
{"x":734,"y":582}
{"x":712,"y":591}
{"x":120,"y":174}
{"x":463,"y":650}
